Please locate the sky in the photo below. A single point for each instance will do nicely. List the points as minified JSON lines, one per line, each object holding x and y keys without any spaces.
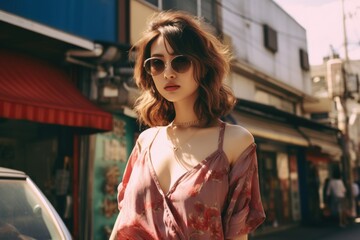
{"x":322,"y":20}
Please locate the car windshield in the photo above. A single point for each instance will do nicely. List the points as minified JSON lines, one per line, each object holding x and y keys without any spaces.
{"x":24,"y":214}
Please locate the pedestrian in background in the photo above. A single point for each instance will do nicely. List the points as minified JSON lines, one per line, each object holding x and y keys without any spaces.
{"x":191,"y":175}
{"x":336,"y":191}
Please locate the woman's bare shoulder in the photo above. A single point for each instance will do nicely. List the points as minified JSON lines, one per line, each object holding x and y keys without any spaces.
{"x":147,"y":136}
{"x":236,"y":140}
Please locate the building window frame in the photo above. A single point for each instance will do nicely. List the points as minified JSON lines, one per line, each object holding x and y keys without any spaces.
{"x":199,"y":8}
{"x":270,"y":38}
{"x":304,"y":60}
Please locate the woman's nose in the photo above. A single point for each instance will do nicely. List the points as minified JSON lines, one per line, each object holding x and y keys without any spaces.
{"x":169,"y":73}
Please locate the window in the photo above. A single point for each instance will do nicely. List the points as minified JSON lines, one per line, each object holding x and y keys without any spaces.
{"x":25,"y":211}
{"x":208,"y":11}
{"x":202,"y":8}
{"x":304,"y":60}
{"x":153,"y":2}
{"x":185,"y":5}
{"x":270,"y":39}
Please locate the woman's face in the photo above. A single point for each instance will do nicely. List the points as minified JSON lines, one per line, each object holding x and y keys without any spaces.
{"x":173,"y":86}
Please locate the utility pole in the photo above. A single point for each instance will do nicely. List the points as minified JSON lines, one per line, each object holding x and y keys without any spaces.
{"x":345,"y":70}
{"x":344,"y":32}
{"x":347,"y":161}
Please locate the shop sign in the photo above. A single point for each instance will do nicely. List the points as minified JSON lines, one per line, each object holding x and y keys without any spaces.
{"x":110,"y":157}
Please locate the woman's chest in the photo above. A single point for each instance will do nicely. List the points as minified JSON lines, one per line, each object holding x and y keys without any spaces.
{"x":205,"y":182}
{"x":171,"y":159}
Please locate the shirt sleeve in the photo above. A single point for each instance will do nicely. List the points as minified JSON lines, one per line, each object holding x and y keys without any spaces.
{"x":244,"y":212}
{"x":127,"y":173}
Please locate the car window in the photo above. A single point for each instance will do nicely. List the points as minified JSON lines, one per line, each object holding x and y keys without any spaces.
{"x":23,"y":212}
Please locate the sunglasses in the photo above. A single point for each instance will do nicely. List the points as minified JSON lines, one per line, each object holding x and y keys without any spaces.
{"x":155,"y":66}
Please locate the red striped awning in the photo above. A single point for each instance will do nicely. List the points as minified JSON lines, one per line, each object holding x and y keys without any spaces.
{"x":37,"y":91}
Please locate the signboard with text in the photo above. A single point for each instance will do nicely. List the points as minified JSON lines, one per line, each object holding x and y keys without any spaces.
{"x":112,"y":150}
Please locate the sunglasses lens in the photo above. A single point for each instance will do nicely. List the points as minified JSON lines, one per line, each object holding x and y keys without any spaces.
{"x":181,"y":64}
{"x":154,"y":66}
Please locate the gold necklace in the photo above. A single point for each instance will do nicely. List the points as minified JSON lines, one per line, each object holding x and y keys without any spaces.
{"x":171,"y":142}
{"x":186,"y":124}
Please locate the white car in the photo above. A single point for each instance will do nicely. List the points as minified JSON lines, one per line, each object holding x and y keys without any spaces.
{"x":25,"y":213}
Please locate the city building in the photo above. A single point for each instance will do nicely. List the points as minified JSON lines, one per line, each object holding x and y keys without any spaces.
{"x":270,"y":76}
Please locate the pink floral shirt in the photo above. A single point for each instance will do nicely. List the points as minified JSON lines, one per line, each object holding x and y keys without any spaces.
{"x":214,"y":200}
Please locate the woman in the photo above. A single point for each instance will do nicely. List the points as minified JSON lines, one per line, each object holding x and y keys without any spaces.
{"x":189,"y":176}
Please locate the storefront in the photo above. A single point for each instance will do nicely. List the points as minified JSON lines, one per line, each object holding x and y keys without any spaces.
{"x":46,"y":115}
{"x":318,"y":164}
{"x":42,"y":118}
{"x":278,"y":147}
{"x":285,"y":143}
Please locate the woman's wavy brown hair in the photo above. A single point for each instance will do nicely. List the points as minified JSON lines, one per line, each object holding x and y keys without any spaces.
{"x":186,"y":36}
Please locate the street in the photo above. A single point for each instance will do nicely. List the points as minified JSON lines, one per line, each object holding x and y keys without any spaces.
{"x":351,"y":232}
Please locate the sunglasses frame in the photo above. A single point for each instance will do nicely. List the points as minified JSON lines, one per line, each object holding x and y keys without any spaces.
{"x":166,"y":64}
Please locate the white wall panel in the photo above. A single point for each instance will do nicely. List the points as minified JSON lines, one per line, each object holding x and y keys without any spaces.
{"x":243,"y":22}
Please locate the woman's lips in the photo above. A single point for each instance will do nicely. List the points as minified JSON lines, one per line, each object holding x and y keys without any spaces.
{"x":171,"y":88}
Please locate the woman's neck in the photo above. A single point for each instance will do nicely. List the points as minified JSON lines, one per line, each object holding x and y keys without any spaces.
{"x":185,"y":115}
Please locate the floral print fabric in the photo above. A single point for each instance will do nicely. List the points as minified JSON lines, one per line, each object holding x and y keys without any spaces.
{"x":211,"y":201}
